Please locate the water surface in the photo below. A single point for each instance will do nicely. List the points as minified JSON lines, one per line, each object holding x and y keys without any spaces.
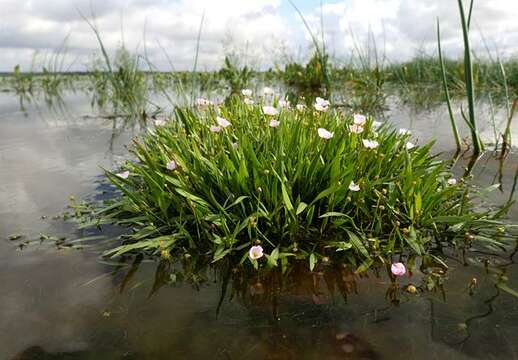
{"x":59,"y":303}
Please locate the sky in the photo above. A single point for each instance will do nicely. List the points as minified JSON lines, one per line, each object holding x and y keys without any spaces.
{"x":261,"y":33}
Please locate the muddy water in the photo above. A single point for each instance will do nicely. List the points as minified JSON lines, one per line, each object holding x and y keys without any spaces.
{"x":67,"y":304}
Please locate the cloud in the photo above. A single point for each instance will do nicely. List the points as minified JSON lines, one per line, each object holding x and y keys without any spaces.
{"x":173,"y":25}
{"x":264,"y":29}
{"x":401,"y":28}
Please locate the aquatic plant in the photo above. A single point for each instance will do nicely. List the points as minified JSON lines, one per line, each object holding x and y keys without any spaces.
{"x":308,"y":189}
{"x":446,"y":90}
{"x":23,"y":85}
{"x":235,"y":76}
{"x":470,"y":119}
{"x":310,"y":79}
{"x":118,"y":80}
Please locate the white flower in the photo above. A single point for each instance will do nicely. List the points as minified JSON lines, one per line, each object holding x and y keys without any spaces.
{"x":248,"y":101}
{"x":171,"y":165}
{"x":376,"y":124}
{"x":300,"y":107}
{"x":223,"y":122}
{"x":160,"y":122}
{"x":270,"y":110}
{"x":320,"y":108}
{"x":274,"y":123}
{"x":215,"y":129}
{"x":370,"y":144}
{"x":354,"y":187}
{"x":321,"y":104}
{"x":356,"y":129}
{"x":255,"y":252}
{"x":124,"y":175}
{"x":268,"y":91}
{"x":284,"y":104}
{"x":202,"y":103}
{"x":246,"y":92}
{"x":359,"y":119}
{"x":409,"y":145}
{"x":324,"y":134}
{"x":452,"y":181}
{"x":404,"y":132}
{"x":235,"y":145}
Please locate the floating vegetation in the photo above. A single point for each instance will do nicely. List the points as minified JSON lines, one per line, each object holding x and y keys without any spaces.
{"x":269,"y":184}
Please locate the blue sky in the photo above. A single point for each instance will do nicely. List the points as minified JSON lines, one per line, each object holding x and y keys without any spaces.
{"x":270,"y":29}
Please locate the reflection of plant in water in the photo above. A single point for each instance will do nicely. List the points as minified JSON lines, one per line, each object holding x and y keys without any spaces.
{"x":268,"y":287}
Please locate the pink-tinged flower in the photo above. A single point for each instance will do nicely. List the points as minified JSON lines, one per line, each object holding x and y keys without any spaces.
{"x":223,"y":122}
{"x":409,"y":145}
{"x":160,"y":122}
{"x":284,"y":104}
{"x":356,"y":129}
{"x":370,"y":144}
{"x":359,"y":119}
{"x":124,"y":174}
{"x":320,"y":108}
{"x":171,"y":165}
{"x":268,"y":91}
{"x":452,"y":181}
{"x":321,"y":104}
{"x":215,"y":129}
{"x":248,"y":101}
{"x":255,"y":252}
{"x":274,"y":123}
{"x":324,"y":134}
{"x":270,"y":110}
{"x":354,"y":187}
{"x":203,"y":103}
{"x":246,"y":92}
{"x":404,"y":132}
{"x":301,"y":107}
{"x":398,"y":269}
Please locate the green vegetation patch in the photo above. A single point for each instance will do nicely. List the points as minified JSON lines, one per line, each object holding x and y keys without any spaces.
{"x":271,"y":183}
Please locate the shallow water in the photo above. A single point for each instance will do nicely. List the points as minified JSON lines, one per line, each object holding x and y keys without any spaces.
{"x":59,"y":303}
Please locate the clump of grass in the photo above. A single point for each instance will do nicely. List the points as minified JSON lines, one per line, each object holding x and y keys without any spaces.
{"x":235,"y":76}
{"x":310,"y":79}
{"x":302,"y":184}
{"x":121,"y":84}
{"x":118,"y":80}
{"x":23,"y":85}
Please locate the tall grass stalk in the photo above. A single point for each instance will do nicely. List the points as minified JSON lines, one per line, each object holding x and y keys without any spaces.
{"x":320,"y":50}
{"x":195,"y":65}
{"x":447,"y":91}
{"x":478,"y":146}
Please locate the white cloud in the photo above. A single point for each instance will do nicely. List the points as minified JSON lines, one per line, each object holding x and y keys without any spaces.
{"x":400,"y":28}
{"x":43,"y":26}
{"x":403,"y":27}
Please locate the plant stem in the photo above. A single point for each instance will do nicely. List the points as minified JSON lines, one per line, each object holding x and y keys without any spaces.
{"x":446,"y":91}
